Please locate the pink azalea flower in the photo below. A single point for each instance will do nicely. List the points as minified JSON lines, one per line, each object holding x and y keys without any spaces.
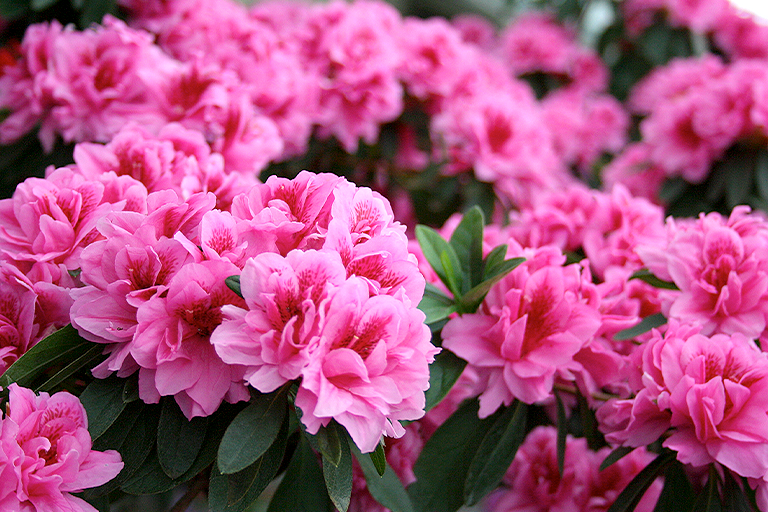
{"x":711,"y":391}
{"x":287,"y":303}
{"x":527,"y":331}
{"x":17,"y":315}
{"x":46,"y":454}
{"x":371,"y":368}
{"x":172,"y":341}
{"x":719,"y":266}
{"x":51,"y":220}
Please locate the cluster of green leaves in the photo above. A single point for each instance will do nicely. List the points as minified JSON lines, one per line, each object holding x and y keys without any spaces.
{"x":81,"y":12}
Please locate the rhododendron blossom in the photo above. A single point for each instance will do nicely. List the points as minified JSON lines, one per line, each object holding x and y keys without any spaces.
{"x":45,"y":454}
{"x":370,"y":368}
{"x":711,"y":393}
{"x":527,"y":330}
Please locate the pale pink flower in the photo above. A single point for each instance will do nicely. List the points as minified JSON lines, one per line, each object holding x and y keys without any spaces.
{"x":47,"y":454}
{"x":634,"y":170}
{"x":698,"y":15}
{"x":741,"y":35}
{"x":371,"y":368}
{"x":527,"y":330}
{"x":535,"y":41}
{"x":287,"y":301}
{"x":719,"y":265}
{"x":476,"y":30}
{"x":172,"y":343}
{"x":608,"y":483}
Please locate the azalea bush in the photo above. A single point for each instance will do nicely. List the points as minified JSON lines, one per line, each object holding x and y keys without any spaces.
{"x":309,"y":257}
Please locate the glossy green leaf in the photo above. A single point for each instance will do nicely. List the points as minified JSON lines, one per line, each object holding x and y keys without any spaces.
{"x":435,"y":305}
{"x":61,"y":347}
{"x":445,"y":459}
{"x":131,"y":389}
{"x":233,"y":283}
{"x":387,"y":488}
{"x":329,"y":442}
{"x":677,"y":495}
{"x":734,"y":497}
{"x":709,"y":500}
{"x":467,"y":241}
{"x":562,"y":433}
{"x":338,"y":477}
{"x":252,"y":432}
{"x":761,"y":173}
{"x":88,"y":359}
{"x":103,"y":404}
{"x":472,"y":299}
{"x":302,"y":489}
{"x":628,"y":499}
{"x":648,"y":277}
{"x":93,"y":11}
{"x":439,"y":253}
{"x":178,"y":439}
{"x":444,"y":371}
{"x":645,"y":325}
{"x":495,"y":258}
{"x":237,"y":491}
{"x":496,"y":452}
{"x":379,"y":458}
{"x":616,"y":455}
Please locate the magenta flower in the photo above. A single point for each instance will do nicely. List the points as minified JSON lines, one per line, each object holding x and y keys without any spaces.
{"x":371,"y":368}
{"x":527,"y":331}
{"x":45,"y":454}
{"x":17,"y":316}
{"x":287,"y":303}
{"x":719,"y":265}
{"x":711,"y":393}
{"x":172,"y":341}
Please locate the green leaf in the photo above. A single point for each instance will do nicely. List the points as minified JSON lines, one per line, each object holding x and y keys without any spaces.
{"x":615,"y":456}
{"x":329,"y":441}
{"x":709,"y":500}
{"x":739,"y":176}
{"x":103,"y":404}
{"x":648,"y":277}
{"x":444,"y":371}
{"x":63,"y":346}
{"x":562,"y":433}
{"x":41,"y":5}
{"x":494,"y":258}
{"x":645,"y":325}
{"x":387,"y":489}
{"x":338,"y":477}
{"x":252,"y":432}
{"x":467,"y":241}
{"x":178,"y":439}
{"x":677,"y":494}
{"x":131,"y":389}
{"x":13,"y":9}
{"x":445,"y":459}
{"x":435,"y":305}
{"x":237,"y":491}
{"x":379,"y":458}
{"x":302,"y":489}
{"x":439,"y":253}
{"x":94,"y":10}
{"x":149,"y":478}
{"x":472,"y":299}
{"x":233,"y":283}
{"x":87,"y":360}
{"x":628,"y":499}
{"x":734,"y":497}
{"x":761,"y":173}
{"x":496,"y":452}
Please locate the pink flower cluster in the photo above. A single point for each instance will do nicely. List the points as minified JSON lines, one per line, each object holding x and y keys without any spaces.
{"x":709,"y":392}
{"x":535,"y":484}
{"x":694,"y":110}
{"x":45,"y":454}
